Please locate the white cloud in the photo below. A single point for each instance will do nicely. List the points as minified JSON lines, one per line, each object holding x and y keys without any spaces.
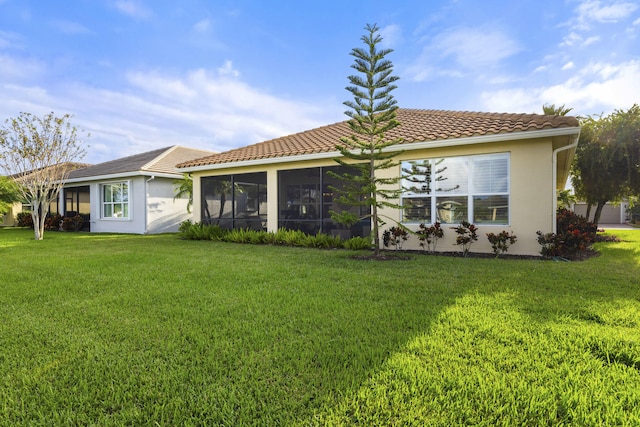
{"x":391,"y":36}
{"x":132,"y":8}
{"x":9,"y":40}
{"x":475,"y":47}
{"x":605,"y":12}
{"x":228,"y":70}
{"x":569,"y":65}
{"x":202,"y":109}
{"x":576,"y":39}
{"x":597,"y":88}
{"x":14,"y":69}
{"x":202,"y":26}
{"x":470,"y":48}
{"x":69,"y":27}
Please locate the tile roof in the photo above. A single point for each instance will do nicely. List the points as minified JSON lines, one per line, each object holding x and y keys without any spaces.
{"x":415,"y":126}
{"x":162,"y":160}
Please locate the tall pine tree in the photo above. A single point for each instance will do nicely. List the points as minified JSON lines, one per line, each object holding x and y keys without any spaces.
{"x":373,"y":114}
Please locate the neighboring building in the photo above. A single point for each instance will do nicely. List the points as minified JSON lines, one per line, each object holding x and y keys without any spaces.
{"x":611,"y":213}
{"x":133,"y":194}
{"x":10,"y":218}
{"x":498,"y":171}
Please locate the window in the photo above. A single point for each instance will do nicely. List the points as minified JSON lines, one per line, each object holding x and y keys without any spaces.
{"x":455,"y":189}
{"x":115,"y":200}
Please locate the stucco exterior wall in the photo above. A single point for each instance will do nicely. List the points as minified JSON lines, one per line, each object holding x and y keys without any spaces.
{"x":164,"y":214}
{"x":137,"y":199}
{"x":151,"y":207}
{"x":532,"y":192}
{"x":9,"y":218}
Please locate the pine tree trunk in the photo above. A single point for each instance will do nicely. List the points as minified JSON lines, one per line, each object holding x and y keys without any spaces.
{"x":374,"y":208}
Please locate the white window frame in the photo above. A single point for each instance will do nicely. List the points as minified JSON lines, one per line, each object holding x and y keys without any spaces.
{"x":103,"y":202}
{"x":470,"y":192}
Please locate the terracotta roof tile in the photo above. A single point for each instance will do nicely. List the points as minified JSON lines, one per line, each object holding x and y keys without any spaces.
{"x":415,"y":126}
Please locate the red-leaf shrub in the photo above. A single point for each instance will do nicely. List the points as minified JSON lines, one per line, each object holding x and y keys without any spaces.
{"x":574,"y":234}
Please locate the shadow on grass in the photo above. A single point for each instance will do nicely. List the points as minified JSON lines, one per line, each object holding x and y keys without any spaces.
{"x":529,"y":344}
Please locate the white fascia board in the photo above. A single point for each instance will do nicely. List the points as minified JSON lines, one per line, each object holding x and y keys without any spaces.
{"x":124,"y":175}
{"x":482,"y":139}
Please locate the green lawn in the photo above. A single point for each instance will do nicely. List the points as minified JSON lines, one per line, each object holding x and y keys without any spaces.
{"x":114,"y":330}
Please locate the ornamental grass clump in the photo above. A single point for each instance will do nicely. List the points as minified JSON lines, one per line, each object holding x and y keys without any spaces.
{"x":201,"y":231}
{"x":500,"y":242}
{"x":467,"y":234}
{"x":429,"y":236}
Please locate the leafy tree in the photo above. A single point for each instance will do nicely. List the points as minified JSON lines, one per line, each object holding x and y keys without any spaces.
{"x":39,"y":153}
{"x":552,"y":110}
{"x":373,"y":114}
{"x":607,"y":162}
{"x":9,"y":194}
{"x":566,"y":199}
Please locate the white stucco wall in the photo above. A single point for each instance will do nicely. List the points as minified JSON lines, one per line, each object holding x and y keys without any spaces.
{"x":164,"y":215}
{"x":151,"y":207}
{"x":137,"y":197}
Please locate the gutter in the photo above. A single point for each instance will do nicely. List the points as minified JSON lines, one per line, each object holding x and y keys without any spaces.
{"x":121,"y":175}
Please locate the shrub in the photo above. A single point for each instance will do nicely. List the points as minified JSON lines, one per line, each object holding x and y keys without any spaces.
{"x":500,"y":242}
{"x":467,"y":234}
{"x":358,"y":243}
{"x":429,"y":236}
{"x":325,"y":241}
{"x":190,"y":231}
{"x":73,"y":223}
{"x":395,"y":236}
{"x":185,"y":226}
{"x":24,"y":219}
{"x":242,"y":235}
{"x":575,"y":234}
{"x":53,"y":222}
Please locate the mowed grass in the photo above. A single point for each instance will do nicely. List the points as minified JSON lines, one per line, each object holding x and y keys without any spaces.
{"x":112,"y":330}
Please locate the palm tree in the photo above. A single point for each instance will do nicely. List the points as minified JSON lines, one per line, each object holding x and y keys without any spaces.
{"x":552,"y":110}
{"x":184,"y":187}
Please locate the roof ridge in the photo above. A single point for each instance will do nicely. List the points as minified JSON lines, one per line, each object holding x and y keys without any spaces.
{"x":156,"y":159}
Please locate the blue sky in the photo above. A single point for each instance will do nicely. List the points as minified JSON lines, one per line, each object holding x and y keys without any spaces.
{"x":145,"y":74}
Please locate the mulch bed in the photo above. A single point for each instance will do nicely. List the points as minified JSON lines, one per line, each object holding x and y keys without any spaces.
{"x":404,"y":255}
{"x":387,"y":255}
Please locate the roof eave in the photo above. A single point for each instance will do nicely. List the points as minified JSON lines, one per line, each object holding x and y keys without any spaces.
{"x":121,"y":175}
{"x":481,"y":139}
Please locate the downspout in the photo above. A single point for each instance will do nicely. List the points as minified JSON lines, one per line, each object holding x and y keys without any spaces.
{"x":574,"y":144}
{"x":146,"y":200}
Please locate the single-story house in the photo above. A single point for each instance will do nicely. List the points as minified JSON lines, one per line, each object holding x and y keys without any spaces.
{"x":498,"y":171}
{"x":134,"y":194}
{"x":10,"y":218}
